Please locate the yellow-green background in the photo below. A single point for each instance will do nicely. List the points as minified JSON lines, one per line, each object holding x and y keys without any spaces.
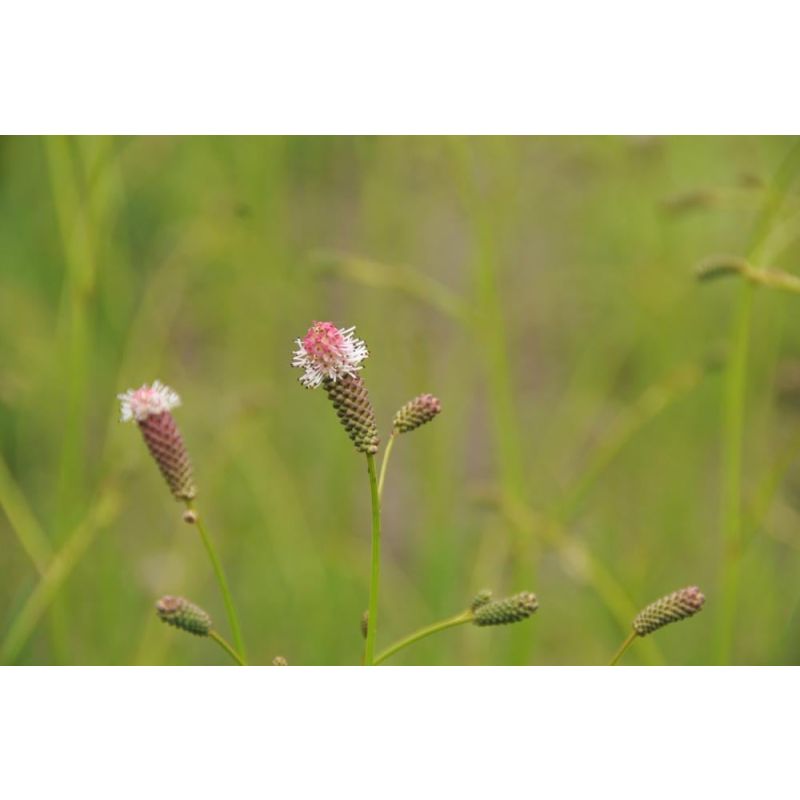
{"x":543,"y":288}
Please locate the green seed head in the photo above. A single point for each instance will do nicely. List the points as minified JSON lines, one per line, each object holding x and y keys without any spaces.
{"x":180,"y":613}
{"x":416,"y":412}
{"x":481,"y":599}
{"x":674,"y":607}
{"x":506,"y":611}
{"x":351,"y":401}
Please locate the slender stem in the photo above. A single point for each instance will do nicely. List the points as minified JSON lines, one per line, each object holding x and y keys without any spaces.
{"x":442,"y":625}
{"x":227,"y":648}
{"x":60,"y":567}
{"x":375,"y":574}
{"x":233,"y":619}
{"x":23,"y":522}
{"x":386,"y":453}
{"x":732,"y":473}
{"x":625,"y":645}
{"x":733,"y":432}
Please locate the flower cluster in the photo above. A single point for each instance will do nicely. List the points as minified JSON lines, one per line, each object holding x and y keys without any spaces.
{"x":416,"y":412}
{"x":180,"y":613}
{"x":150,"y":407}
{"x":506,"y":611}
{"x":672,"y":608}
{"x":328,"y":352}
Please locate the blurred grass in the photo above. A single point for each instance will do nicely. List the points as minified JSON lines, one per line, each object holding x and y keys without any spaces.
{"x":542,"y":287}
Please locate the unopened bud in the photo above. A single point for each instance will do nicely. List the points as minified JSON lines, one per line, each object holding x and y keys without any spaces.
{"x":181,"y":613}
{"x":416,"y":412}
{"x":506,"y":611}
{"x":481,"y":599}
{"x":672,"y":608}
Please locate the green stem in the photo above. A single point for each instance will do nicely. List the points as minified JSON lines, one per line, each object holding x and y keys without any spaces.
{"x":227,"y":648}
{"x":625,"y":645}
{"x":375,"y":573}
{"x":23,"y":522}
{"x":230,"y":610}
{"x":451,"y":622}
{"x":58,"y":570}
{"x":386,"y":453}
{"x":732,"y":475}
{"x":733,"y":432}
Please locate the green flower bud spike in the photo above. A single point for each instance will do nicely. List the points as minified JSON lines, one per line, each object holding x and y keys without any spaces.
{"x":480,"y":599}
{"x":674,"y":607}
{"x":186,"y":616}
{"x":416,"y":412}
{"x":180,"y":613}
{"x":351,"y":401}
{"x":483,"y":611}
{"x":506,"y":611}
{"x":682,"y":604}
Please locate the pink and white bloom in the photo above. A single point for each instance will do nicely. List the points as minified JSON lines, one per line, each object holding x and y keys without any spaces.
{"x":328,"y":352}
{"x":139,"y":404}
{"x":151,"y":407}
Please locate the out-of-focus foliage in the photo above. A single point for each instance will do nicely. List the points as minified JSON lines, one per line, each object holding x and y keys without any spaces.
{"x":543,"y":289}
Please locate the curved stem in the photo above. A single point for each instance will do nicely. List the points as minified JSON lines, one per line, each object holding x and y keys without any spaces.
{"x":625,"y":645}
{"x":451,"y":622}
{"x":375,"y":573}
{"x":233,"y":619}
{"x":386,"y":453}
{"x":227,"y":647}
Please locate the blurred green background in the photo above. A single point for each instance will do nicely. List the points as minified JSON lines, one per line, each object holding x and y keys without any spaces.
{"x":543,"y":288}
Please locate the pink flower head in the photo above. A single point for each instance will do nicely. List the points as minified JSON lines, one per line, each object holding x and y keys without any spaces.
{"x":150,"y":407}
{"x":328,"y":352}
{"x":146,"y":401}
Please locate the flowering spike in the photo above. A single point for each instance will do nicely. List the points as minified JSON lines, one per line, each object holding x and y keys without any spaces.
{"x":180,"y":613}
{"x":506,"y":611}
{"x":672,"y":608}
{"x":416,"y":412}
{"x":150,"y":407}
{"x":279,"y":661}
{"x":481,"y":599}
{"x":328,"y":353}
{"x":351,"y":401}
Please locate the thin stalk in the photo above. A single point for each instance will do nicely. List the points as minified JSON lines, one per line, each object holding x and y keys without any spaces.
{"x":23,"y":521}
{"x":384,"y":463}
{"x":733,"y":431}
{"x":227,"y":648}
{"x":484,"y":214}
{"x":74,"y":335}
{"x":230,"y":610}
{"x":375,"y":572}
{"x":451,"y":622}
{"x":733,"y":434}
{"x":582,"y":564}
{"x":58,"y":570}
{"x":625,"y":645}
{"x":653,"y":401}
